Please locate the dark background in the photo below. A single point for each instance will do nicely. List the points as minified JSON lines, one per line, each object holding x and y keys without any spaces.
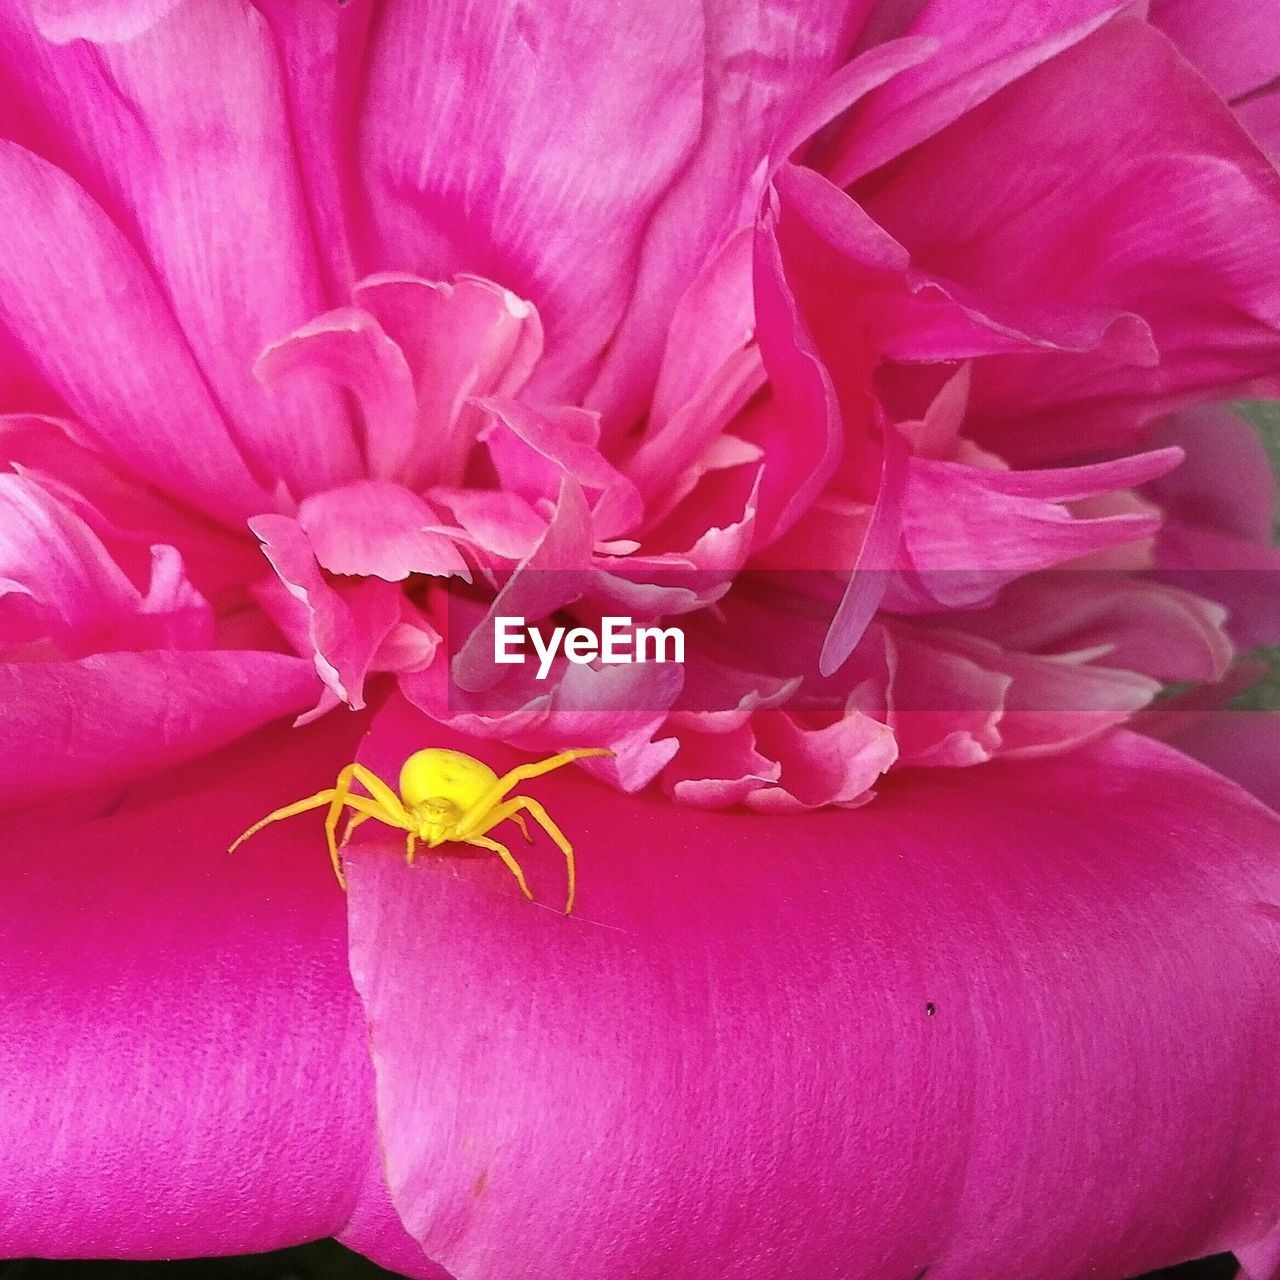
{"x":326,"y":1260}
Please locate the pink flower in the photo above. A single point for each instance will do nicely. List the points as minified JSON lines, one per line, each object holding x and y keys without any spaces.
{"x":860,"y":341}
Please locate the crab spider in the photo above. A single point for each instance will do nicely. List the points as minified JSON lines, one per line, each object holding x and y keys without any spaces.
{"x":444,"y":796}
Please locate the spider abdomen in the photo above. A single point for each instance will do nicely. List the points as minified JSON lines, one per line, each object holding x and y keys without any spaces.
{"x":436,"y":777}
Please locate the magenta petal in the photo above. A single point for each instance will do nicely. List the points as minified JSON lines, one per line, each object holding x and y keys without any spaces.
{"x":984,"y":47}
{"x":347,"y":348}
{"x":112,"y":717}
{"x":1236,"y":44}
{"x":183,"y":1062}
{"x":1177,"y":225}
{"x":467,"y":338}
{"x":341,"y":624}
{"x":181,"y":132}
{"x":100,"y":20}
{"x":85,"y":599}
{"x":981,"y":1025}
{"x":1242,"y":745}
{"x":110,"y":346}
{"x":515,"y":180}
{"x":374,"y":528}
{"x":757,"y":59}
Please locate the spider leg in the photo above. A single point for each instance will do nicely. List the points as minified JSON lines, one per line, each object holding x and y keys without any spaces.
{"x":508,"y":861}
{"x":545,"y":821}
{"x":410,"y":846}
{"x":476,"y":816}
{"x":511,"y":809}
{"x":379,"y":790}
{"x":372,"y":807}
{"x":353,"y":821}
{"x":335,"y":799}
{"x":363,"y":806}
{"x":287,"y":811}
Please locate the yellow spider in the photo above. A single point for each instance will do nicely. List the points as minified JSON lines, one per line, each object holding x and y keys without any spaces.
{"x":444,"y":796}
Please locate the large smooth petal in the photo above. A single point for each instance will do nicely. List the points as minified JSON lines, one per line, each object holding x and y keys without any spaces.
{"x":989,"y":1022}
{"x":183,"y":1063}
{"x":1241,"y":745}
{"x":321,"y":47}
{"x":555,"y":132}
{"x":1236,"y":44}
{"x":113,"y":717}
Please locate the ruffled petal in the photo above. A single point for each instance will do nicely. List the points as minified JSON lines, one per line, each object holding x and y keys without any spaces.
{"x":339,"y":625}
{"x":760,"y":60}
{"x":85,"y":600}
{"x":1177,"y":227}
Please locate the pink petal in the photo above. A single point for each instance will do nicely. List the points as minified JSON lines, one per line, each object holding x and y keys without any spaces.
{"x":374,"y":528}
{"x":464,"y":339}
{"x":112,"y":717}
{"x":834,"y":765}
{"x":183,"y":1065}
{"x":1225,"y":481}
{"x":347,"y":348}
{"x":1217,"y":534}
{"x":840,"y":1045}
{"x":835,"y":249}
{"x":87,"y":601}
{"x":757,"y":60}
{"x":321,"y":50}
{"x":512,"y":181}
{"x":341,"y":629}
{"x":1130,"y":623}
{"x":532,"y":450}
{"x":710,"y":371}
{"x":1236,"y":47}
{"x":503,"y":525}
{"x":53,"y":453}
{"x":1242,"y":745}
{"x":102,"y":21}
{"x":110,"y":346}
{"x":968,"y":531}
{"x":876,"y":555}
{"x":1175,"y":226}
{"x":982,"y":49}
{"x":554,"y":573}
{"x":801,"y":439}
{"x":182,"y":134}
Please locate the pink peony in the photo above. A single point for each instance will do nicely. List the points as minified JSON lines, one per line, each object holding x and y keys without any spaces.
{"x":863,"y":342}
